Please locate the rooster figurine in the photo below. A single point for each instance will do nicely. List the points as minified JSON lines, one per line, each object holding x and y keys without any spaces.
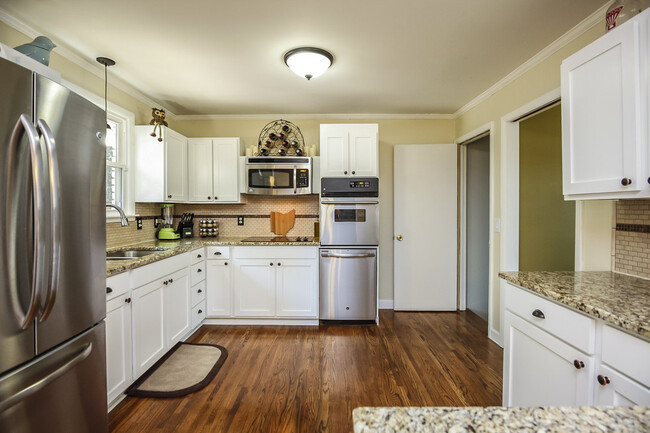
{"x":158,"y":121}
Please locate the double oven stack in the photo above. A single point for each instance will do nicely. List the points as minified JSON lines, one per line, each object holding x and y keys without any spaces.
{"x":349,"y":237}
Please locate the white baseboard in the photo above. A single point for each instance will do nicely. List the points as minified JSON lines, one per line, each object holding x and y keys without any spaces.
{"x":300,"y":322}
{"x":386,"y":304}
{"x":496,"y":337}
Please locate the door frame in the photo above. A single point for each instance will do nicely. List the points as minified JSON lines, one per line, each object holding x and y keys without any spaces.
{"x":462,"y":143}
{"x":509,"y":259}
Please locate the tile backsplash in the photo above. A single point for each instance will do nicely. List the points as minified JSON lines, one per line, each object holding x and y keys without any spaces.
{"x":256,"y":211}
{"x":632,"y":237}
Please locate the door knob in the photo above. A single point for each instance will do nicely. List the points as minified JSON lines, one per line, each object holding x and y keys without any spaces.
{"x":399,"y":238}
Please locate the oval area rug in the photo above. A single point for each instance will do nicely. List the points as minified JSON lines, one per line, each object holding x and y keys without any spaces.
{"x":186,"y":368}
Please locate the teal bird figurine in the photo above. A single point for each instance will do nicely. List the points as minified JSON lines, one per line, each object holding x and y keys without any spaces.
{"x":38,"y":49}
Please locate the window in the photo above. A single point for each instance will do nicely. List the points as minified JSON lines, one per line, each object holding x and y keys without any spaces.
{"x":115,"y":163}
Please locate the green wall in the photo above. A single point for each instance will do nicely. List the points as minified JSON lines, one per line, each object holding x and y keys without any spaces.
{"x":546,"y":221}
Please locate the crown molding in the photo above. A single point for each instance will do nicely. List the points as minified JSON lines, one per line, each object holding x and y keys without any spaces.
{"x":369,"y":116}
{"x":93,"y":68}
{"x":575,"y":32}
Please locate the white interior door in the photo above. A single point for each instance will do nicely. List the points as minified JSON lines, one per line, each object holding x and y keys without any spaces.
{"x":426,"y":221}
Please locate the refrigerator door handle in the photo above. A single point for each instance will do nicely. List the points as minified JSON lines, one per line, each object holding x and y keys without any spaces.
{"x":55,"y":221}
{"x":25,"y":125}
{"x":31,"y":379}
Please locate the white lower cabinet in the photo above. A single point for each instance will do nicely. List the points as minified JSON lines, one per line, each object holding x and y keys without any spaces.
{"x":254,"y":280}
{"x":261,"y":282}
{"x":177,"y":307}
{"x":296,"y":288}
{"x":551,"y":357}
{"x":541,"y":370}
{"x":148,"y":326}
{"x":219,"y":282}
{"x":118,"y":345}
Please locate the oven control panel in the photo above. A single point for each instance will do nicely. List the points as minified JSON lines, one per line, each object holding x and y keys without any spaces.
{"x":346,"y":187}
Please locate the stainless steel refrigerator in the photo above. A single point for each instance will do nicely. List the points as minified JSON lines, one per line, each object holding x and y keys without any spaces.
{"x":52,"y":257}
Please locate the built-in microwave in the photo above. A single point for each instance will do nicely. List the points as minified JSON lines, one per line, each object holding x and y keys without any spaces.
{"x":285,"y":175}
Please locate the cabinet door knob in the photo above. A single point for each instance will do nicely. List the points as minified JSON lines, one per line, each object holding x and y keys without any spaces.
{"x":399,"y":238}
{"x":226,"y":263}
{"x":216,"y":198}
{"x":626,"y":181}
{"x":578,"y":364}
{"x":353,"y":172}
{"x":200,"y":311}
{"x":199,"y":270}
{"x":199,"y":291}
{"x":165,"y":282}
{"x":127,"y":300}
{"x":345,"y":172}
{"x":279,"y":264}
{"x":171,"y":280}
{"x":539,"y":314}
{"x":169,"y":196}
{"x":603,"y":380}
{"x":109,"y":290}
{"x":209,"y":198}
{"x":649,"y":180}
{"x":271,"y":264}
{"x":198,"y":256}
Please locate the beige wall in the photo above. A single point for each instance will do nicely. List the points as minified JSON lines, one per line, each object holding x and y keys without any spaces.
{"x":391,"y":133}
{"x":534,"y":83}
{"x":81,"y":77}
{"x":546,"y":220}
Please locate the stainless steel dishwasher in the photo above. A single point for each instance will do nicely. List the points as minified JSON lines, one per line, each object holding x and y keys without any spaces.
{"x":348,"y":284}
{"x":349,"y":235}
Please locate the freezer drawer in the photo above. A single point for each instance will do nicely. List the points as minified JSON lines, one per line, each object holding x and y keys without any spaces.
{"x":348,"y":284}
{"x":62,"y":391}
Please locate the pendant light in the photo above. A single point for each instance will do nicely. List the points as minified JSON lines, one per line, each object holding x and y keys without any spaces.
{"x":308,"y":62}
{"x":106,"y":62}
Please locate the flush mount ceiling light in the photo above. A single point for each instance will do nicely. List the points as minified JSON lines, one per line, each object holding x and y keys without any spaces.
{"x":308,"y":62}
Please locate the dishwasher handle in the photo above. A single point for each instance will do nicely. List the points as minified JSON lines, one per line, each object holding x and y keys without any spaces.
{"x":347,"y":256}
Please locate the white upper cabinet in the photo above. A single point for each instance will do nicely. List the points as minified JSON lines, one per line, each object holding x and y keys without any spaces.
{"x":604,"y":115}
{"x":213,"y":169}
{"x":349,"y":150}
{"x":161,"y":167}
{"x":199,"y":159}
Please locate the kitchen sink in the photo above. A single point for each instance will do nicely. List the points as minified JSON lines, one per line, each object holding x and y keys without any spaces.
{"x":131,"y":254}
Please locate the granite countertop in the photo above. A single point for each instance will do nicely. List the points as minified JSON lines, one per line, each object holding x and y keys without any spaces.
{"x":500,"y":419}
{"x":619,"y":299}
{"x":172,"y":248}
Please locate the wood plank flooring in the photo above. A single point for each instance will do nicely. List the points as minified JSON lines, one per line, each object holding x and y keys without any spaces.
{"x":308,"y":379}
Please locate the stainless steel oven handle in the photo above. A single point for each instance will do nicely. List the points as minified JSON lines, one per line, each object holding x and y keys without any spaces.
{"x":25,"y":125}
{"x":55,"y":218}
{"x":40,"y":375}
{"x":347,"y":256}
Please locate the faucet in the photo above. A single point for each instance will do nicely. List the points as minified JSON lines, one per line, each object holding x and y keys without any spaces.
{"x":123,"y":221}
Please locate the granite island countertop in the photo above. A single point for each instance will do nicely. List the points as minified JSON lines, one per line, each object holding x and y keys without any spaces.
{"x":621,"y":300}
{"x":174,"y":247}
{"x":500,"y":419}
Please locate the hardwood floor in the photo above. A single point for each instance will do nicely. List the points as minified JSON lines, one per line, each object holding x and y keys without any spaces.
{"x":308,"y":379}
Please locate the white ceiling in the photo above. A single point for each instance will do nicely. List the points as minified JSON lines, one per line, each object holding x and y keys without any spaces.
{"x":225,"y":57}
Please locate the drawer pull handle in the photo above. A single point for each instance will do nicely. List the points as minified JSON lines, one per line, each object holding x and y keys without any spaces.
{"x":539,"y":314}
{"x":578,"y":364}
{"x":198,"y":256}
{"x":109,"y":290}
{"x":218,"y":253}
{"x":603,"y":380}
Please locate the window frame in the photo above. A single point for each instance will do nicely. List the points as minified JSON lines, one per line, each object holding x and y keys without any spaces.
{"x":126,"y":119}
